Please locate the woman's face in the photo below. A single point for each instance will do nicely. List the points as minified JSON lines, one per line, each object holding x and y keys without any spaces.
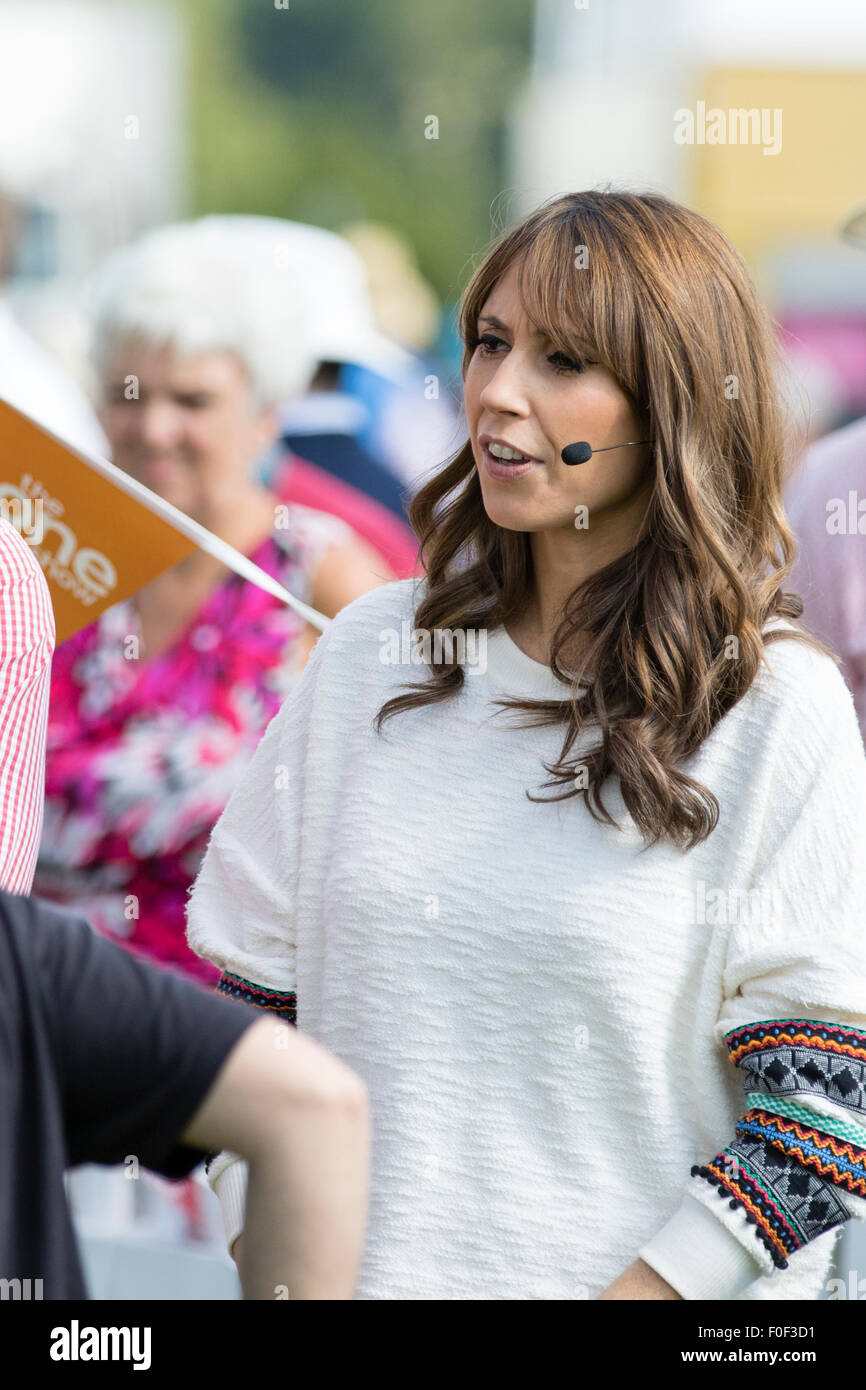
{"x":521,"y":391}
{"x":186,"y":427}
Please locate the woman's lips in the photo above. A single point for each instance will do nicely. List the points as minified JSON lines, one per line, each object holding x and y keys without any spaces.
{"x":506,"y":472}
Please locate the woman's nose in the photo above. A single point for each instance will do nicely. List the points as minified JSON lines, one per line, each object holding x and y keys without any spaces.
{"x":507,"y":388}
{"x":158,"y":423}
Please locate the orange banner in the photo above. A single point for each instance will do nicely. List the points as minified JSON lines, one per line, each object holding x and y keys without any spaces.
{"x":98,"y":534}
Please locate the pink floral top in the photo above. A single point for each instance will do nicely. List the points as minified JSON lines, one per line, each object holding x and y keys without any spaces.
{"x":143,"y":754}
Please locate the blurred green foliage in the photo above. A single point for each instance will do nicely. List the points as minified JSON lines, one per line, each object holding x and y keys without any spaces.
{"x":318,"y":112}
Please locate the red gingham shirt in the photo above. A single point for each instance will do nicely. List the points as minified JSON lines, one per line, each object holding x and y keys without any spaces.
{"x":27,"y":637}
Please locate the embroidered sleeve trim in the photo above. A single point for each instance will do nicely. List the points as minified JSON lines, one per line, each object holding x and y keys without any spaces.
{"x":793,"y":1032}
{"x":282,"y":1003}
{"x":789,"y":1165}
{"x":839,"y":1161}
{"x":787,"y":1057}
{"x":829,"y":1124}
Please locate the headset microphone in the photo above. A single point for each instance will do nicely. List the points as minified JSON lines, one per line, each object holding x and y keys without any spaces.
{"x":582,"y":453}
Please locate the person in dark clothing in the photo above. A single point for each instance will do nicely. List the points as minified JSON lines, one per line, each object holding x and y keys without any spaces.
{"x":322,"y":428}
{"x":105,"y":1058}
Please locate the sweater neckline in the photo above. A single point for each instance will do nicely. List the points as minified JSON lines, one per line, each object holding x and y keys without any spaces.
{"x":509,"y":667}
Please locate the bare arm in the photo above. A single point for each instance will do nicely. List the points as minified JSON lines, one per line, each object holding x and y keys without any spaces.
{"x":640,"y":1282}
{"x":344,"y":573}
{"x":301,"y":1119}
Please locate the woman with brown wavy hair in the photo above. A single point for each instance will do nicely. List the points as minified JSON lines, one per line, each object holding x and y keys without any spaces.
{"x":614,"y":1036}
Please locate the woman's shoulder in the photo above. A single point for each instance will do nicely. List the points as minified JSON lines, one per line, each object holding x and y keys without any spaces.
{"x":795,"y":724}
{"x":800,"y":685}
{"x":361,"y":639}
{"x":386,"y":607}
{"x":793,"y":666}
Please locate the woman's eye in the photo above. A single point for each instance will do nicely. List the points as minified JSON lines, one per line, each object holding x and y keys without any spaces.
{"x":561,"y":363}
{"x":487,"y":343}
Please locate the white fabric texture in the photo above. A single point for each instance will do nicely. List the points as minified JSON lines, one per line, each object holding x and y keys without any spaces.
{"x":535,"y":1001}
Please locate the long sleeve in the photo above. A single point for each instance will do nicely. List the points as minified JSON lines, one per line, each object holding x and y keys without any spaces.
{"x":27,"y":637}
{"x":792,"y":1021}
{"x":241,"y":912}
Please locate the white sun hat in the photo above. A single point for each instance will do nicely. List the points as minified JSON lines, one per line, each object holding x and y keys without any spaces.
{"x":331,"y":277}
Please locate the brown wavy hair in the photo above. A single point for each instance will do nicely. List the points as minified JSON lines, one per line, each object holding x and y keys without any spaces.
{"x":668,"y":307}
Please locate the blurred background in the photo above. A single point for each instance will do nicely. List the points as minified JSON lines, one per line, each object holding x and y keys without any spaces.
{"x":120,"y":116}
{"x":415,"y":132}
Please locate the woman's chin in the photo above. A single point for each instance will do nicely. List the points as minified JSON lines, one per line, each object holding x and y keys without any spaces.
{"x":511,"y":515}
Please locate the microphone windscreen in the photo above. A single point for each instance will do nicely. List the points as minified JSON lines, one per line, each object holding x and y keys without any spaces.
{"x":576,"y":453}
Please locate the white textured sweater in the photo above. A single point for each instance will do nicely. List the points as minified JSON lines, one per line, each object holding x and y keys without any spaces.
{"x":536,"y":1006}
